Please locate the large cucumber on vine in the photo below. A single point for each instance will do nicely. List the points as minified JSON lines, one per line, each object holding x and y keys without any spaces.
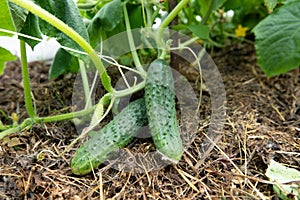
{"x":116,"y":134}
{"x":161,"y":111}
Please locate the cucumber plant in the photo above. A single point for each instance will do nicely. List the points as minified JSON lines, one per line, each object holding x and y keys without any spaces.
{"x":78,"y":40}
{"x":80,"y":28}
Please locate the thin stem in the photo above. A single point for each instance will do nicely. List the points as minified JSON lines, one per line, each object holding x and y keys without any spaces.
{"x":190,"y":41}
{"x":26,"y":123}
{"x":26,"y":81}
{"x":208,"y":12}
{"x":135,"y":57}
{"x":65,"y":116}
{"x":57,"y":23}
{"x":149,"y":16}
{"x":172,"y":15}
{"x":129,"y":91}
{"x":85,"y":84}
{"x":143,"y":12}
{"x":89,"y":128}
{"x":166,"y":22}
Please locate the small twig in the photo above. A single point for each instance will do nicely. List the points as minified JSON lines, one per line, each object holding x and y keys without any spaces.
{"x":28,"y":182}
{"x":186,"y":179}
{"x":286,"y":152}
{"x":278,"y":112}
{"x":101,"y":186}
{"x":123,"y":188}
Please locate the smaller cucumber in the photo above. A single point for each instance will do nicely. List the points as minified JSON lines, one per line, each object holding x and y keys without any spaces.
{"x":116,"y":134}
{"x":161,"y":111}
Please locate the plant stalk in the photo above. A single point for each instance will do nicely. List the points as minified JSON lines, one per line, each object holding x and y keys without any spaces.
{"x":65,"y":116}
{"x":85,"y":84}
{"x":128,"y":91}
{"x":26,"y":81}
{"x":174,"y":60}
{"x":166,"y":22}
{"x":135,"y":57}
{"x":208,"y":12}
{"x":25,"y":124}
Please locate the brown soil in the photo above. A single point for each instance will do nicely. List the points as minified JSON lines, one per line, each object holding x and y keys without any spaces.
{"x":262,"y":123}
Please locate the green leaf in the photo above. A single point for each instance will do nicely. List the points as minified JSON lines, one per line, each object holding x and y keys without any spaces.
{"x":5,"y":56}
{"x":270,"y":4}
{"x":6,"y":21}
{"x":31,"y":27}
{"x":285,"y":177}
{"x":63,"y":62}
{"x":200,"y":31}
{"x":18,"y":15}
{"x":110,"y":15}
{"x":106,"y":19}
{"x":67,"y":12}
{"x":135,"y":16}
{"x":277,"y":40}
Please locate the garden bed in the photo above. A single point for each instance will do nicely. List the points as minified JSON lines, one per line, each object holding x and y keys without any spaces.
{"x":262,"y":123}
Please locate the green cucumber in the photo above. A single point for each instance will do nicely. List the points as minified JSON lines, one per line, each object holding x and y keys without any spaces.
{"x":116,"y":134}
{"x":161,"y":111}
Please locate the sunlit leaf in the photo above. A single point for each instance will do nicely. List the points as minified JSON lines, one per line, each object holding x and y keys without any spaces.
{"x":6,"y":21}
{"x":5,"y":57}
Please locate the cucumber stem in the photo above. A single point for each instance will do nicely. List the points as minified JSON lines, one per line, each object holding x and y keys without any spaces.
{"x":165,"y":23}
{"x":26,"y":81}
{"x":85,"y":84}
{"x":208,"y":12}
{"x":135,"y":57}
{"x":65,"y":116}
{"x":25,"y":124}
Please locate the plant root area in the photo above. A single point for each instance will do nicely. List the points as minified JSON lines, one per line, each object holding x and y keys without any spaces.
{"x":262,"y":123}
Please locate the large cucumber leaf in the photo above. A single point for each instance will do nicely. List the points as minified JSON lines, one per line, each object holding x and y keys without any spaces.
{"x":277,"y":40}
{"x":5,"y":56}
{"x":67,"y":12}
